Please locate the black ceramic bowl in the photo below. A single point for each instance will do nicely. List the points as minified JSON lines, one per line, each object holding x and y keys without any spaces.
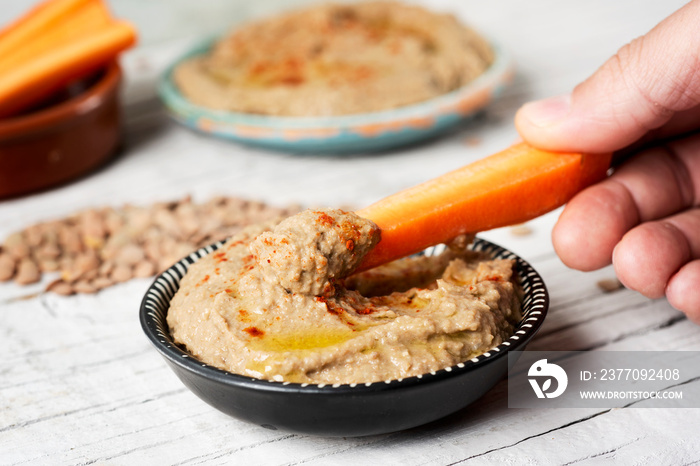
{"x":342,"y":409}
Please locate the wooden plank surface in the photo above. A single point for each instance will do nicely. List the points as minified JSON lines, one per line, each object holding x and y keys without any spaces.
{"x":79,"y":383}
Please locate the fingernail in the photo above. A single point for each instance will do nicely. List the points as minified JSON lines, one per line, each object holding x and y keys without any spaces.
{"x":547,"y":112}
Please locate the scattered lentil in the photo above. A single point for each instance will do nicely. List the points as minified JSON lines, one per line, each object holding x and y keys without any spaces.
{"x":608,"y":285}
{"x":96,"y":248}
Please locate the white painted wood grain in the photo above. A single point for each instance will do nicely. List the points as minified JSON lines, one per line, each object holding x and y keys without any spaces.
{"x":79,"y":383}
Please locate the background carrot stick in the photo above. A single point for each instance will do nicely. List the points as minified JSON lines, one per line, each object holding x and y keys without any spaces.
{"x":507,"y":188}
{"x":45,"y":16}
{"x":91,"y":15}
{"x":56,"y":67}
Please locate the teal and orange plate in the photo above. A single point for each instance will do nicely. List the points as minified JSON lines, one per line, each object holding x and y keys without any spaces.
{"x":356,"y":133}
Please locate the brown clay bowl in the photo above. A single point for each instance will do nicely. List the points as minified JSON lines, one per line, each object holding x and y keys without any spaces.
{"x":66,"y":137}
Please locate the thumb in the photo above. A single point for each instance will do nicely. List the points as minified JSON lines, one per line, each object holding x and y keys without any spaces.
{"x":637,"y":90}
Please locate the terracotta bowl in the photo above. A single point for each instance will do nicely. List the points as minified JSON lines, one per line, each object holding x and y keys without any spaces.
{"x":66,"y":137}
{"x":343,"y":409}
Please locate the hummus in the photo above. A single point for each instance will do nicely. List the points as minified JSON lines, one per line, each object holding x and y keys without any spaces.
{"x":336,"y":60}
{"x":276,"y":303}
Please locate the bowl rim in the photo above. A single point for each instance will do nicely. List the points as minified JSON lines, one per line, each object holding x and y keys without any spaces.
{"x":535,"y":306}
{"x":499,"y":72}
{"x":73,"y":107}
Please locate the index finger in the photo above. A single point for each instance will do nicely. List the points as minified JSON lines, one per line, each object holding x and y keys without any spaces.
{"x":654,"y":184}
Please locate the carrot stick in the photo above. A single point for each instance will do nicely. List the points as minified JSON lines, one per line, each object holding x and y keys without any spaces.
{"x":91,"y":15}
{"x":58,"y":66}
{"x":45,"y":16}
{"x":507,"y":188}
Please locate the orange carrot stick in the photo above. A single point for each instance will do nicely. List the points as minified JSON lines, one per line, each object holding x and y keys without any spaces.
{"x":45,"y":16}
{"x":91,"y":15}
{"x":56,"y":67}
{"x":507,"y":188}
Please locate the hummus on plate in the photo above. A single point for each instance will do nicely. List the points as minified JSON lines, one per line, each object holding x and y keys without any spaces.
{"x":276,"y":303}
{"x":336,"y":59}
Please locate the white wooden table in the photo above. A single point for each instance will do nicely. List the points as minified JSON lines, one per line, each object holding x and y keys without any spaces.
{"x":80,"y":384}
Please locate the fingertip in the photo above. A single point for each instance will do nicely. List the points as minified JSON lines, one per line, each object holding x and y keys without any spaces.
{"x":648,"y":256}
{"x":539,"y":122}
{"x":590,"y":226}
{"x":683,"y":292}
{"x":573,"y":247}
{"x":546,"y":112}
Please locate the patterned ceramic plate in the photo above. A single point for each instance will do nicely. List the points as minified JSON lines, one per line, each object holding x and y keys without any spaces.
{"x":343,"y":409}
{"x":340,"y":134}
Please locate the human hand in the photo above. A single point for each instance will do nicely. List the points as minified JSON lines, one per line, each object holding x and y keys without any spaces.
{"x":645,"y":217}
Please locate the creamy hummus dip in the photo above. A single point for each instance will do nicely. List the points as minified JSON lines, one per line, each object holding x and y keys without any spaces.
{"x":336,"y":59}
{"x":276,"y":303}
